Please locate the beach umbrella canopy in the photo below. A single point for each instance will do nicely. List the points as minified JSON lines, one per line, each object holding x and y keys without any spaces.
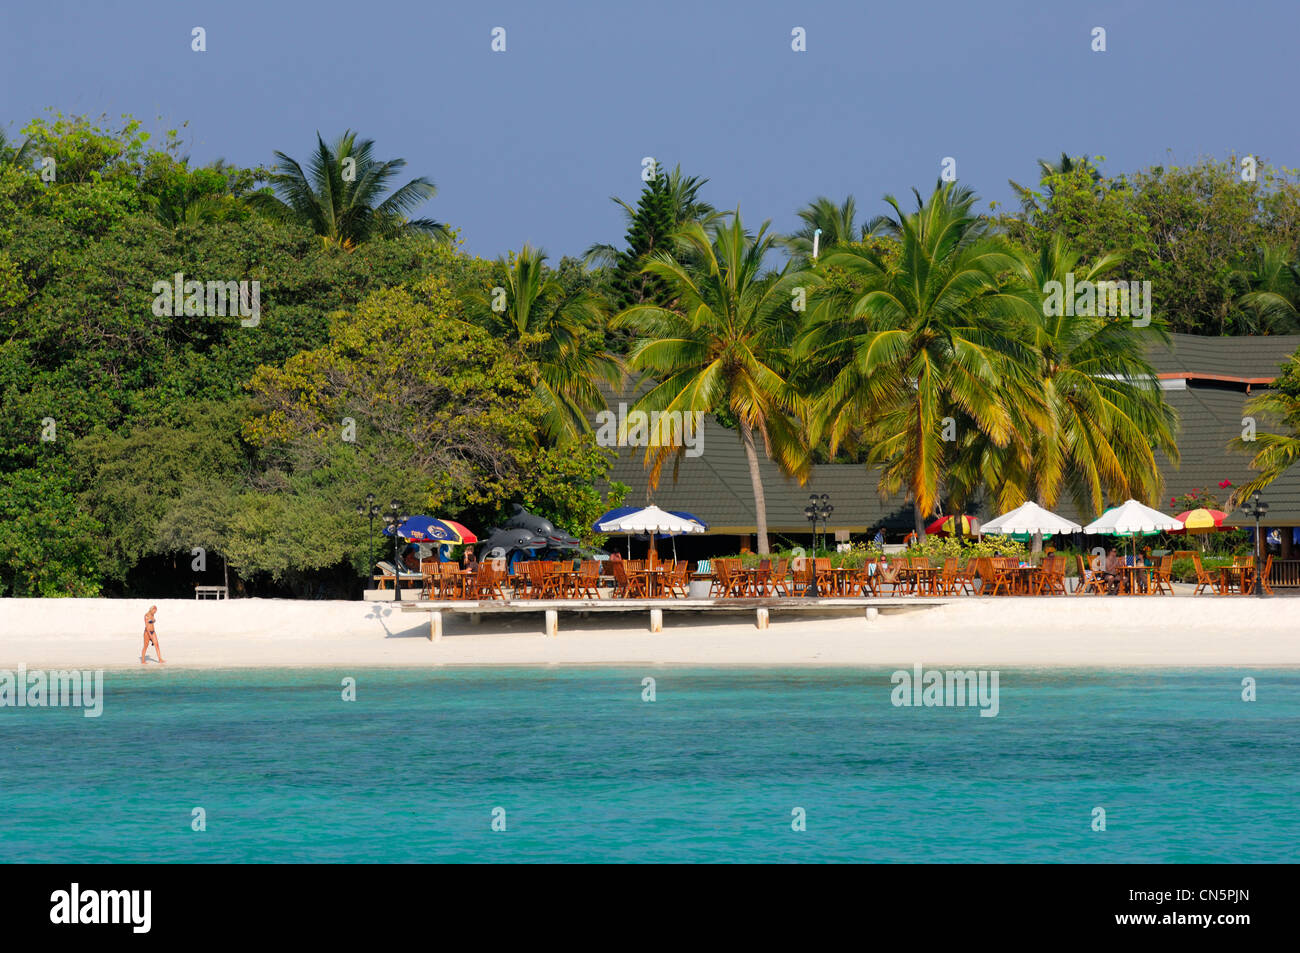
{"x":427,"y":529}
{"x":1028,"y":519}
{"x":947,"y":524}
{"x":652,"y":519}
{"x":1201,"y":520}
{"x":686,"y":516}
{"x":617,"y":512}
{"x":1132,"y":518}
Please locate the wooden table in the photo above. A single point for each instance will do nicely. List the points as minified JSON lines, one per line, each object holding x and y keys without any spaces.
{"x":925,"y":578}
{"x":1131,"y":575}
{"x":842,"y":580}
{"x":1024,"y":582}
{"x":1235,"y":579}
{"x":654,"y":581}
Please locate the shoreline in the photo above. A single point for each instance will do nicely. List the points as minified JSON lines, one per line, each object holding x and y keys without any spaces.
{"x":1057,"y":632}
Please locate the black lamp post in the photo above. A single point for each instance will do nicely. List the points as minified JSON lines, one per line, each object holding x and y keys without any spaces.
{"x":818,"y":508}
{"x":824,"y":511}
{"x":368,"y":511}
{"x":810,"y":514}
{"x":1256,"y":509}
{"x":395,"y":518}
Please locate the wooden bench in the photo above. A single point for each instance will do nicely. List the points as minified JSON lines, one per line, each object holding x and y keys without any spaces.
{"x":211,"y":592}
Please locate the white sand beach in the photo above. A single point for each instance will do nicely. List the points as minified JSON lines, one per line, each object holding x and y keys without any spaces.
{"x":1066,"y":632}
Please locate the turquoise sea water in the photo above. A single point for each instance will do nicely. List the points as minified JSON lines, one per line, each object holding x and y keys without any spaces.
{"x":585,"y":770}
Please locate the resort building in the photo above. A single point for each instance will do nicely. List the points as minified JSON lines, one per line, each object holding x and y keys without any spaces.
{"x":1207,"y":381}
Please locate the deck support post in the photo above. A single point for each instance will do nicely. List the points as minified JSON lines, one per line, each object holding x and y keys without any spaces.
{"x":475,"y":618}
{"x":656,"y":620}
{"x":552,"y":622}
{"x":435,"y":625}
{"x":763,"y":618}
{"x":872,"y":612}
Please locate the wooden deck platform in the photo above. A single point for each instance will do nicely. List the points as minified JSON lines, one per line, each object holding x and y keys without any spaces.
{"x":762,"y":608}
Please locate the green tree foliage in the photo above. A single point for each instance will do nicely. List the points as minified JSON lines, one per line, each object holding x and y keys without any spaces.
{"x":340,"y":196}
{"x":838,"y":225}
{"x":1273,"y":453}
{"x":557,"y":328}
{"x":934,"y":336}
{"x":724,"y":347}
{"x":1191,"y":231}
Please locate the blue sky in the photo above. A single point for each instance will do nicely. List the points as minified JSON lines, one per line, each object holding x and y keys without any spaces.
{"x":529,"y":144}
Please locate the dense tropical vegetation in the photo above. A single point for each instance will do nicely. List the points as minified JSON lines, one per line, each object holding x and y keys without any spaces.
{"x":138,"y":439}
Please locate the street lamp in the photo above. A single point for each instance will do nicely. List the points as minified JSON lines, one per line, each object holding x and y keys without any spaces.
{"x":368,"y":511}
{"x":810,"y":514}
{"x":818,"y":508}
{"x":1256,"y":509}
{"x":395,"y":518}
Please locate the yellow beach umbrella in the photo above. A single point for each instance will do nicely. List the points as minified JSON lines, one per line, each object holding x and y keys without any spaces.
{"x":946,"y":524}
{"x":1202,"y":520}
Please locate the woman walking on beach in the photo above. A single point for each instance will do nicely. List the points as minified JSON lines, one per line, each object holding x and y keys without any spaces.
{"x":150,"y":636}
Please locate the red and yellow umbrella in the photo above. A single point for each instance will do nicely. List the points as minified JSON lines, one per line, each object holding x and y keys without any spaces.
{"x":946,"y":524}
{"x":1201,"y":520}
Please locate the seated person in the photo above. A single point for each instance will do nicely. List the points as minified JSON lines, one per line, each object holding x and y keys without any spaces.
{"x":1110,"y":573}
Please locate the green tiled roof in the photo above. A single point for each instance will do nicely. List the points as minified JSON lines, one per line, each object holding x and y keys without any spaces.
{"x":1240,"y":357}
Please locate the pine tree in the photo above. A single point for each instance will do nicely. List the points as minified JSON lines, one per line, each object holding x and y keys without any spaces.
{"x":652,"y":224}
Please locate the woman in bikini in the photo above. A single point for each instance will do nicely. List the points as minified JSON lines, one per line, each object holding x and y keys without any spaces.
{"x":150,"y":636}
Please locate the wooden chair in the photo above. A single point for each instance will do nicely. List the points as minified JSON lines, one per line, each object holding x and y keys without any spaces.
{"x":781,"y":577}
{"x":627,"y":585}
{"x":486,"y":582}
{"x":948,"y":576}
{"x":682,"y":582}
{"x":734,"y":583}
{"x":888,"y":573}
{"x":543,"y":583}
{"x":803,"y":576}
{"x":1204,"y":579}
{"x":1003,"y":579}
{"x":518,"y":578}
{"x":964,"y":582}
{"x":865,"y":581}
{"x":1051,"y":579}
{"x":1162,"y":576}
{"x":588,"y":582}
{"x":1260,"y":578}
{"x":1089,"y":579}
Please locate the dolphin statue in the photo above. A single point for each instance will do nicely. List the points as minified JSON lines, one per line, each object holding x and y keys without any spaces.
{"x":541,"y":526}
{"x":511,"y":540}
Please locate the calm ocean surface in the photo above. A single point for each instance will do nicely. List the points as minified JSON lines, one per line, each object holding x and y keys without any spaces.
{"x":709,"y":771}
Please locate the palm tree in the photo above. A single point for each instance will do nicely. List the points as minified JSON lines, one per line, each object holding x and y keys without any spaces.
{"x":1274,"y":453}
{"x":560,"y":332}
{"x":16,"y":155}
{"x":340,"y":196}
{"x":723,"y":347}
{"x":1106,"y":415}
{"x":837,"y":223}
{"x":930,"y":345}
{"x":1047,"y":169}
{"x":1273,"y":298}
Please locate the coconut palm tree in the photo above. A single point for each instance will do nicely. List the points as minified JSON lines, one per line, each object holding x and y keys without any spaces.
{"x":1273,"y":298}
{"x":20,"y":154}
{"x":838,"y":225}
{"x":341,"y":194}
{"x":723,"y":347}
{"x":1273,"y":453}
{"x":932,"y":343}
{"x":560,"y":332}
{"x":1106,"y":415}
